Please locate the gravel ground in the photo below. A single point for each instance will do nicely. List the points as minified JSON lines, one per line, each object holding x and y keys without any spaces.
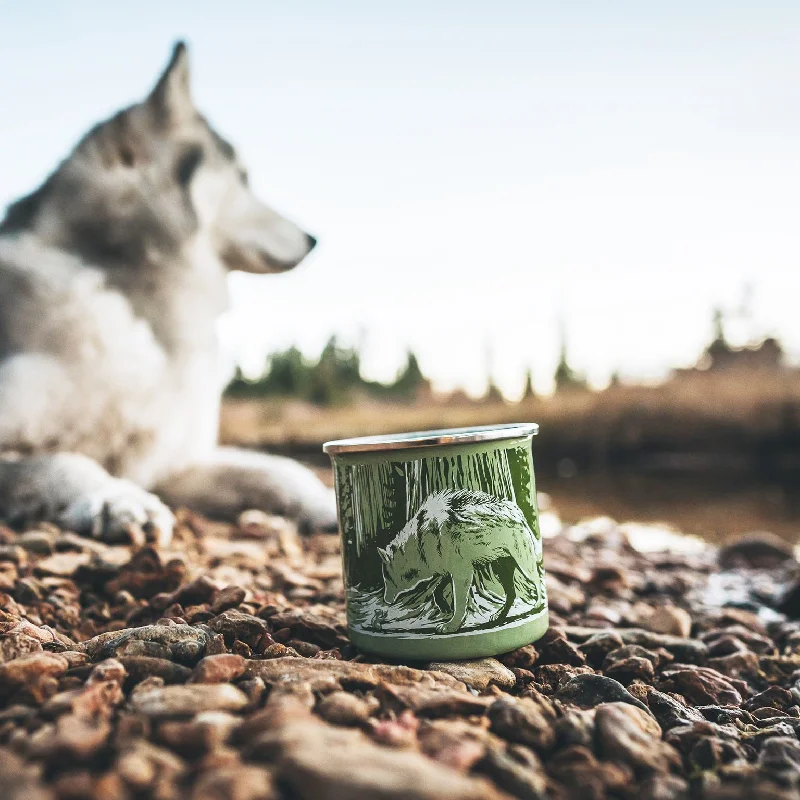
{"x":221,"y":669}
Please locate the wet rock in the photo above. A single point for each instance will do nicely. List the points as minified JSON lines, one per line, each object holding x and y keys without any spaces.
{"x":588,"y":691}
{"x":221,"y":668}
{"x":478,"y":674}
{"x":183,"y":701}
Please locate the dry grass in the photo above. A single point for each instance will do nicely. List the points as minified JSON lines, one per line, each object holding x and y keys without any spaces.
{"x":681,"y":410}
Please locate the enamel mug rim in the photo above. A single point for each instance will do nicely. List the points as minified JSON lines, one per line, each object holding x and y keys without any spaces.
{"x":433,"y":438}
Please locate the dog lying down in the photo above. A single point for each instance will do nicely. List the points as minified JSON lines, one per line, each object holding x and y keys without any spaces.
{"x":112,"y":279}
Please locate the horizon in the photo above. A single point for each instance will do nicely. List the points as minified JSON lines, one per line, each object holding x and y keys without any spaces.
{"x":474,"y":174}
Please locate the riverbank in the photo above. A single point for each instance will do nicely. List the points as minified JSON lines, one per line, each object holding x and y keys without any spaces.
{"x":222,"y":668}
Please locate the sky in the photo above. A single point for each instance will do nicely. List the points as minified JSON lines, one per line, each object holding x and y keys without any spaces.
{"x":475,"y":172}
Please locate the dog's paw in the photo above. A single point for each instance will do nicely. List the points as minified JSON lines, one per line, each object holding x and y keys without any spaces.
{"x":120,"y":511}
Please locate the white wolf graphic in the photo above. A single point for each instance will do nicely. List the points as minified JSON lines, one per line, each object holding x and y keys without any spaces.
{"x":112,"y":279}
{"x":453,"y":534}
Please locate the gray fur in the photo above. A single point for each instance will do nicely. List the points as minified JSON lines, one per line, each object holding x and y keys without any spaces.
{"x":112,"y":279}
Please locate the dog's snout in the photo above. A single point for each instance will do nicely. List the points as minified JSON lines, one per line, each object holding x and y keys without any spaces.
{"x":312,"y":242}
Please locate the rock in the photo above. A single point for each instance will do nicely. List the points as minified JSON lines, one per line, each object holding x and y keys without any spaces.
{"x":700,"y":685}
{"x":743,"y":665}
{"x":599,"y":645}
{"x":182,"y":643}
{"x":687,"y":651}
{"x":755,"y":550}
{"x":523,"y":721}
{"x":184,"y":701}
{"x":670,"y":620}
{"x":141,"y":667}
{"x":233,"y":624}
{"x":628,"y":734}
{"x":221,"y":668}
{"x":631,"y":669}
{"x":238,"y":782}
{"x":517,"y":771}
{"x":669,"y":713}
{"x":588,"y":691}
{"x":557,"y":650}
{"x":205,"y":732}
{"x":227,"y":598}
{"x":326,"y":675}
{"x":433,"y":701}
{"x":34,"y":674}
{"x":478,"y":674}
{"x":342,"y":708}
{"x":320,"y":763}
{"x":38,"y":542}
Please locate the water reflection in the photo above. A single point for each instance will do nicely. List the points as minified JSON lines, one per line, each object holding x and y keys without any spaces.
{"x":714,"y":507}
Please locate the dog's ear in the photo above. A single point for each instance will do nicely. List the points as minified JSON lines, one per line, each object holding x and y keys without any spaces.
{"x":171,"y":98}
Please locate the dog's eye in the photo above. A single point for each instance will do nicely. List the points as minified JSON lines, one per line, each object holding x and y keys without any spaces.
{"x":410,"y":574}
{"x":188,"y":163}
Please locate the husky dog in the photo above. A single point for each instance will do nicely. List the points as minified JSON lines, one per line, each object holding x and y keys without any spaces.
{"x":112,"y":279}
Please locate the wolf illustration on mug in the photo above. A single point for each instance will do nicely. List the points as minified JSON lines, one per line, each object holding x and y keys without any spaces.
{"x":454,"y":534}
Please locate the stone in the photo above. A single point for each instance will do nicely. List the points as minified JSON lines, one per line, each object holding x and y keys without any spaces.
{"x":523,"y":721}
{"x":479,"y":674}
{"x":588,"y":691}
{"x":669,"y":620}
{"x":343,"y":708}
{"x":184,"y":701}
{"x":183,"y":643}
{"x":628,"y":734}
{"x":320,"y":763}
{"x":221,"y":668}
{"x":755,"y":550}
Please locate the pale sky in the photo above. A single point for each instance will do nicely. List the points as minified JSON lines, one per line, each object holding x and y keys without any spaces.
{"x":472,"y":170}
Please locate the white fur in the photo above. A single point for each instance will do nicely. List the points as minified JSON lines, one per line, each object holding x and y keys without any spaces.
{"x":113,"y":364}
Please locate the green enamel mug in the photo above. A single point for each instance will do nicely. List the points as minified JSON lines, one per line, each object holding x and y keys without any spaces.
{"x":441,"y":543}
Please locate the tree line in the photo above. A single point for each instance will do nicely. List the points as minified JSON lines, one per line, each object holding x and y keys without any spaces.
{"x":335,"y":378}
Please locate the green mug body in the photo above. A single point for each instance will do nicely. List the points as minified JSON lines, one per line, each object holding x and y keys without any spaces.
{"x":441,"y":544}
